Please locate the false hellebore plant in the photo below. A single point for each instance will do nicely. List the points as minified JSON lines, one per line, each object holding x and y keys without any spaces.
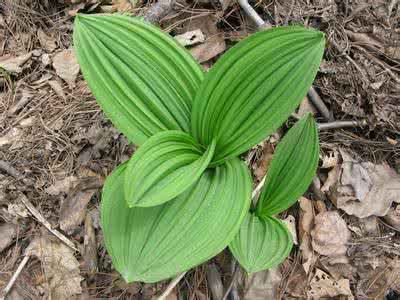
{"x":185,"y":195}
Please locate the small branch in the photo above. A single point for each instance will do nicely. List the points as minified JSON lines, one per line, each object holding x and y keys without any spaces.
{"x":341,"y":124}
{"x":171,"y":286}
{"x":9,"y":169}
{"x":159,"y":11}
{"x":235,"y":272}
{"x":319,"y":104}
{"x":14,"y":277}
{"x":249,"y":10}
{"x":45,"y":223}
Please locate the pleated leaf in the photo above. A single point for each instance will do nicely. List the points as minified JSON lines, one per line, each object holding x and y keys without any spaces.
{"x":254,"y":87}
{"x":261,"y":243}
{"x":292,"y":168}
{"x":166,"y":165}
{"x":155,"y":243}
{"x":144,"y":82}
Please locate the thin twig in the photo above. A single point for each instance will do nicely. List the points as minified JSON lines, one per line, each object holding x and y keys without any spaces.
{"x":14,"y":277}
{"x":319,"y":104}
{"x":233,"y":280}
{"x":249,"y":10}
{"x":341,"y":124}
{"x":171,"y":286}
{"x":45,"y":223}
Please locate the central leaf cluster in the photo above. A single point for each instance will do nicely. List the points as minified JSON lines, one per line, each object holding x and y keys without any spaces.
{"x":159,"y":208}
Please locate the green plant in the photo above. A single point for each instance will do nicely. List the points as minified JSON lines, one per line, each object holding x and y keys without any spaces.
{"x":183,"y":196}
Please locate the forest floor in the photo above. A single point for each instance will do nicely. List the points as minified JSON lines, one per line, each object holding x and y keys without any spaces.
{"x":56,"y":148}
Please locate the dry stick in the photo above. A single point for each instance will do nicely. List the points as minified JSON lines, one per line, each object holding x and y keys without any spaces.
{"x":45,"y":223}
{"x":341,"y":124}
{"x":14,"y":277}
{"x":171,"y":286}
{"x":319,"y":104}
{"x":249,"y":10}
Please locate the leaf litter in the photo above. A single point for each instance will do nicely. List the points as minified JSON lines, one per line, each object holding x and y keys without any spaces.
{"x":371,"y":258}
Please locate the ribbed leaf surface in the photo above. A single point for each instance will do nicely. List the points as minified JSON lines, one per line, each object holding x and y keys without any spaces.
{"x":254,"y":87}
{"x":261,"y":243}
{"x":292,"y":168}
{"x":163,"y":167}
{"x":142,"y":79}
{"x":154,"y":243}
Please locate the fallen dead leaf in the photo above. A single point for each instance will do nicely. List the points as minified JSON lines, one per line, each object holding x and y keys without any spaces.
{"x":66,"y":66}
{"x":330,"y":160}
{"x":47,"y":42}
{"x":17,"y":210}
{"x":365,"y":189}
{"x":73,"y":208}
{"x":330,"y":234}
{"x":214,"y":43}
{"x":14,"y":64}
{"x":62,"y":186}
{"x":60,"y":267}
{"x":10,"y":137}
{"x":90,"y":246}
{"x":57,"y":88}
{"x":7,"y":232}
{"x":264,"y":161}
{"x":262,"y":285}
{"x":305,"y":107}
{"x":190,"y":38}
{"x":290,"y":222}
{"x":393,"y":217}
{"x":322,"y":285}
{"x":306,"y":221}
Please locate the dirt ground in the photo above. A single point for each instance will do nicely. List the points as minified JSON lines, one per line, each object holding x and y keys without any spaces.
{"x":56,"y":148}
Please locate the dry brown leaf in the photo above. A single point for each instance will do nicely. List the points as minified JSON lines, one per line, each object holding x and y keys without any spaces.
{"x":14,"y":64}
{"x":62,"y":186}
{"x":262,"y":285}
{"x":57,"y":88}
{"x":90,"y":246}
{"x":190,"y":38}
{"x":330,"y":234}
{"x":322,"y":285}
{"x":10,"y":137}
{"x":304,"y":108}
{"x":47,"y":42}
{"x":332,"y":180}
{"x":73,"y":208}
{"x":376,"y":283}
{"x":365,"y":189}
{"x":7,"y":233}
{"x":264,"y":161}
{"x":330,"y":160}
{"x":336,"y":268}
{"x":66,"y":66}
{"x":60,"y":267}
{"x":306,"y":221}
{"x":122,"y":5}
{"x":214,"y":43}
{"x":393,"y":217}
{"x":290,"y":222}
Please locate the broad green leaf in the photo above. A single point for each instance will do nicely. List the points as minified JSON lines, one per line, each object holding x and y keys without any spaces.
{"x":143,"y":80}
{"x":167,"y":164}
{"x":292,"y":168}
{"x":254,"y":87}
{"x":261,"y":243}
{"x":155,"y":243}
